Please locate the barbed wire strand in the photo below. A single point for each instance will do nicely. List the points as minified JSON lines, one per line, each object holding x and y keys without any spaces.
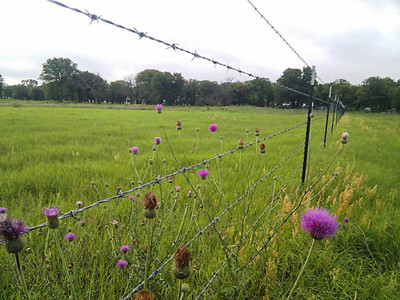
{"x":297,"y":206}
{"x":237,"y":200}
{"x":275,"y":229}
{"x":270,"y":205}
{"x":281,"y":36}
{"x":174,"y":46}
{"x":121,"y":194}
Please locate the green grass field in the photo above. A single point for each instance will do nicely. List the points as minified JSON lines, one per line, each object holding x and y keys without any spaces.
{"x":56,"y":155}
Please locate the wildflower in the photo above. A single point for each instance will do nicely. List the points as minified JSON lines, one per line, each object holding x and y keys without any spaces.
{"x":150,"y":161}
{"x":3,"y":210}
{"x":262,"y":148}
{"x":70,"y":236}
{"x":177,"y":188}
{"x":171,"y":179}
{"x":159,"y":107}
{"x":190,"y":194}
{"x":83,"y":222}
{"x":247,"y":131}
{"x":240,"y":144}
{"x":145,"y":295}
{"x":203,"y":174}
{"x":122,"y":263}
{"x":343,"y":141}
{"x":346,"y":219}
{"x":115,"y":223}
{"x":131,"y":197}
{"x":79,"y":203}
{"x":158,"y":140}
{"x":124,"y":248}
{"x":256,"y":132}
{"x":345,"y":135}
{"x":52,"y":217}
{"x":150,"y":203}
{"x":134,"y":150}
{"x":182,"y":257}
{"x":319,"y":223}
{"x":213,"y":127}
{"x":153,"y":148}
{"x":178,"y":125}
{"x":11,"y":229}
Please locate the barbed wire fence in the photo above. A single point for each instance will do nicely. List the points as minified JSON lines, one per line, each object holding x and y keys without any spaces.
{"x":338,"y":110}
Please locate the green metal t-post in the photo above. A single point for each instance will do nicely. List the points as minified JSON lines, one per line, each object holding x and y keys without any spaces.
{"x":327,"y":114}
{"x":303,"y":177}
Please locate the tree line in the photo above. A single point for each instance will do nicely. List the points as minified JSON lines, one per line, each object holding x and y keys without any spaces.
{"x":61,"y":80}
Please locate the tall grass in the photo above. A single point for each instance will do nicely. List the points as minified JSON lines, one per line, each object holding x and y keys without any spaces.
{"x":60,"y":155}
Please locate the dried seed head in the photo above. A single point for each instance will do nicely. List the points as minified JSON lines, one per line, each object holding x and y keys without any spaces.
{"x":178,"y":125}
{"x":145,"y":295}
{"x":150,"y":201}
{"x":262,"y":148}
{"x":256,"y":132}
{"x":182,"y":257}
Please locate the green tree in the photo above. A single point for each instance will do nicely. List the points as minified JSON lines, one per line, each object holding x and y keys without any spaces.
{"x":2,"y":86}
{"x":261,"y":92}
{"x":36,"y":93}
{"x":30,"y":82}
{"x":90,"y":86}
{"x":58,"y":74}
{"x":20,"y":91}
{"x":117,"y":92}
{"x":298,"y":80}
{"x":375,"y":92}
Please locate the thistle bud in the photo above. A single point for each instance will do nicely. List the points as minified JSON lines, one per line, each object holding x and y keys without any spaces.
{"x":262,"y":148}
{"x":240,"y":144}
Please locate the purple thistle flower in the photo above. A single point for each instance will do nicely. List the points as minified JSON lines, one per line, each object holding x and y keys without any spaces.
{"x":134,"y":150}
{"x":131,"y":197}
{"x":159,"y":107}
{"x":177,"y":188}
{"x":319,"y":223}
{"x":157,"y":140}
{"x":83,"y":222}
{"x":11,"y":228}
{"x":213,"y":127}
{"x":122,"y":263}
{"x":3,"y":210}
{"x":203,"y":174}
{"x":70,"y":236}
{"x":124,"y":248}
{"x":346,"y":219}
{"x":52,"y":220}
{"x":79,"y":203}
{"x":51,"y":212}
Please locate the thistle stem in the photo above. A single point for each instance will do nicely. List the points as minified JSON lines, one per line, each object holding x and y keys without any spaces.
{"x":67,"y":275}
{"x":146,"y":267}
{"x":21,"y":274}
{"x":179,"y":289}
{"x":302,"y":269}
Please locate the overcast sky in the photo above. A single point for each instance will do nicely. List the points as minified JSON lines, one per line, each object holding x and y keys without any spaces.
{"x":349,"y":39}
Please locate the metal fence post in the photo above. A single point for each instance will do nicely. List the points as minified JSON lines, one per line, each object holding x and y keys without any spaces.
{"x":327,"y":114}
{"x":334,"y":111}
{"x":303,"y":177}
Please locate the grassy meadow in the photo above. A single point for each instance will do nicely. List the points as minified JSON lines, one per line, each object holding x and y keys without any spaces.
{"x":58,"y":154}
